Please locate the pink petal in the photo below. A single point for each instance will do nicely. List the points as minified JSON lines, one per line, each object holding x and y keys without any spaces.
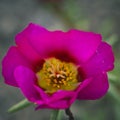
{"x":12,"y":59}
{"x":26,"y":80}
{"x":102,"y":60}
{"x":95,"y":88}
{"x":62,"y":94}
{"x":48,"y":43}
{"x":36,"y":43}
{"x":75,"y":44}
{"x":59,"y":100}
{"x":60,"y":97}
{"x":62,"y":104}
{"x":83,"y":45}
{"x":42,"y":94}
{"x":22,"y":40}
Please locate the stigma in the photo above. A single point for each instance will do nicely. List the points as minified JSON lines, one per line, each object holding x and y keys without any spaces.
{"x":57,"y":75}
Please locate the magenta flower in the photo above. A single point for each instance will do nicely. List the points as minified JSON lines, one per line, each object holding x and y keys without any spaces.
{"x":54,"y":68}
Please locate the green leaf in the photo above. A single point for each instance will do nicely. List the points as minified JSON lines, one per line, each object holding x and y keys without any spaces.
{"x":112,"y":40}
{"x":113,"y":91}
{"x":56,"y":115}
{"x":113,"y":78}
{"x":19,"y":106}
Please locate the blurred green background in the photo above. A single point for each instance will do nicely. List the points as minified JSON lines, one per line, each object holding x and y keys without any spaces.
{"x":101,"y":16}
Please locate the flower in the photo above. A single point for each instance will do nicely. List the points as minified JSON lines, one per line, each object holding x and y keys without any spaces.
{"x":54,"y":68}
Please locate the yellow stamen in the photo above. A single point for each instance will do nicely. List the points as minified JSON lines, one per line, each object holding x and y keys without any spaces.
{"x":57,"y":75}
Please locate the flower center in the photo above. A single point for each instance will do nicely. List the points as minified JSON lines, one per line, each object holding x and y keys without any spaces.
{"x":57,"y":75}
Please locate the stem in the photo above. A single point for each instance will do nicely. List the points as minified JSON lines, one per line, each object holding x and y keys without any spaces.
{"x":69,"y":113}
{"x":56,"y":115}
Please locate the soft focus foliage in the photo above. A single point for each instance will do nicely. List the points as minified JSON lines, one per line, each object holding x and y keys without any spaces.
{"x":95,"y":15}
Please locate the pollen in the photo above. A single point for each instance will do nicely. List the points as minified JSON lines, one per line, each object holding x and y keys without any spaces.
{"x":57,"y":75}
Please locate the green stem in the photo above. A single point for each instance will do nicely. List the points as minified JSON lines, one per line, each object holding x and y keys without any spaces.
{"x":56,"y":115}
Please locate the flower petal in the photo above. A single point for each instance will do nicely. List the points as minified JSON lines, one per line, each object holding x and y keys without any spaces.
{"x":83,"y":44}
{"x":22,"y":41}
{"x":102,"y":60}
{"x":62,"y":104}
{"x":76,"y":44}
{"x":60,"y":97}
{"x":59,"y":100}
{"x":26,"y":80}
{"x":95,"y":88}
{"x":35,"y":42}
{"x":12,"y":59}
{"x":48,"y":43}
